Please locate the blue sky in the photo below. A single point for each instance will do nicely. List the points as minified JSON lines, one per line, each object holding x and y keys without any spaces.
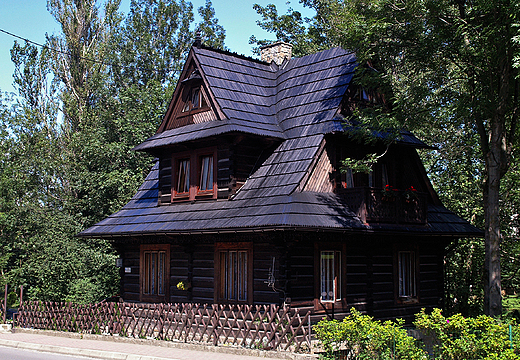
{"x":31,"y":20}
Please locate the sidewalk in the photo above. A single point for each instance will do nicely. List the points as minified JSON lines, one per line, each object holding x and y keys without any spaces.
{"x":115,"y":348}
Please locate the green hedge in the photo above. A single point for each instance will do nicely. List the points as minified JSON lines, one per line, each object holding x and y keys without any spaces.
{"x":453,"y":338}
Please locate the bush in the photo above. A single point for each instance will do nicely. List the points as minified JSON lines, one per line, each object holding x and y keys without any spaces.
{"x":361,"y":337}
{"x":457,"y":337}
{"x":454,"y":338}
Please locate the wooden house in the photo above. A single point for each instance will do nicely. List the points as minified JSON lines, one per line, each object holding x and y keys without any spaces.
{"x":247,"y":204}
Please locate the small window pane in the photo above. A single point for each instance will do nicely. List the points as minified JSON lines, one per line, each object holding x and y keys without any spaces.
{"x":154,"y":272}
{"x":147,"y":274}
{"x":183,"y":180}
{"x":186,"y":106}
{"x":407,"y":271}
{"x":384,"y":175}
{"x":206,"y":173}
{"x":195,"y":99}
{"x":203,"y":103}
{"x":349,"y":179}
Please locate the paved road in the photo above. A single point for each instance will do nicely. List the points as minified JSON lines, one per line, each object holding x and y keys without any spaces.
{"x":122,"y":349}
{"x":7,"y":353}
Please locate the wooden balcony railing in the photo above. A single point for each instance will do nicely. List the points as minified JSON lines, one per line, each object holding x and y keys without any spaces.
{"x":398,"y":207}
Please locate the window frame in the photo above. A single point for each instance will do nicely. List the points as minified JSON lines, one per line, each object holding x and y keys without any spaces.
{"x":154,"y":248}
{"x":219,"y":290}
{"x":208,"y":192}
{"x":339,"y":301}
{"x":415,"y":263}
{"x":177,"y":171}
{"x":195,"y":168}
{"x":202,"y":102}
{"x":336,"y":271}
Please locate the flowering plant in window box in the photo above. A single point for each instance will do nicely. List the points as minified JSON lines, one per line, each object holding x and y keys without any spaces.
{"x":410,"y":194}
{"x":389,"y":193}
{"x":183,"y":285}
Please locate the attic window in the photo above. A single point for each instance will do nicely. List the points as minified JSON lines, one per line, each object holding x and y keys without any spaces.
{"x":195,"y":100}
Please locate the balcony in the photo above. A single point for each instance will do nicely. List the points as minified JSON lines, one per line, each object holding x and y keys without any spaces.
{"x":399,"y":207}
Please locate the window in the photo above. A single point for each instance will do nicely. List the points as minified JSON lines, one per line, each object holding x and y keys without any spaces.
{"x":406,"y":270}
{"x":233,"y":272}
{"x":406,"y":266}
{"x":194,"y":176}
{"x":154,"y":272}
{"x":330,"y":276}
{"x":206,"y":173}
{"x":194,"y":100}
{"x":183,"y":176}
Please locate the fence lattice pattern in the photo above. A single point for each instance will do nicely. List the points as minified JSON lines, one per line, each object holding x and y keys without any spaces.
{"x":253,"y":326}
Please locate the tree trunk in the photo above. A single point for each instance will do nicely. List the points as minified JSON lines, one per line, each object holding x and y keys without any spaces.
{"x":492,"y":280}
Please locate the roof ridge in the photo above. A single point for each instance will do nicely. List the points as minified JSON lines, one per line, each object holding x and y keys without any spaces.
{"x":231,"y":53}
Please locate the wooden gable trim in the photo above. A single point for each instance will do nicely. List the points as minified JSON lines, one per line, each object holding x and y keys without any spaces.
{"x":319,"y":178}
{"x":316,"y":176}
{"x":174,"y":103}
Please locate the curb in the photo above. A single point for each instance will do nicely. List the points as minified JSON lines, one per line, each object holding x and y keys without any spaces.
{"x":99,"y":354}
{"x":96,"y":354}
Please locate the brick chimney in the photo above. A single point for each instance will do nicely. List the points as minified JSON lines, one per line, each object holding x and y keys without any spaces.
{"x":277,"y":52}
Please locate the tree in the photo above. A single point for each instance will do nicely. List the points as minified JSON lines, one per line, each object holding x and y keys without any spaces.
{"x":440,"y":55}
{"x":212,"y":33}
{"x":307,"y":35}
{"x":93,"y":92}
{"x":449,"y":59}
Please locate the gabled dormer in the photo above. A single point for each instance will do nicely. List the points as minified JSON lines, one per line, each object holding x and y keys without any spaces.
{"x":192,"y":101}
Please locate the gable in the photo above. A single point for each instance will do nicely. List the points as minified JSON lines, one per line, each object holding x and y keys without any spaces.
{"x":192,"y":102}
{"x":318,"y":178}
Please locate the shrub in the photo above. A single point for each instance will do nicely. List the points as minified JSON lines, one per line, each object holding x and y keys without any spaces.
{"x":362,"y":337}
{"x":454,"y":338}
{"x":457,"y":337}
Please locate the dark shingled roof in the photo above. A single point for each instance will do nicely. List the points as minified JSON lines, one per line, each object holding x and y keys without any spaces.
{"x":297,"y":103}
{"x":297,"y":210}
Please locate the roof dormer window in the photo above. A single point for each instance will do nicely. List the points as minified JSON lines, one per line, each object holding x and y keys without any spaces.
{"x":194,"y":100}
{"x":188,"y":176}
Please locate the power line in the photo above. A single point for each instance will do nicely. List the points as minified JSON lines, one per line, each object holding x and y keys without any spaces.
{"x":71,"y":55}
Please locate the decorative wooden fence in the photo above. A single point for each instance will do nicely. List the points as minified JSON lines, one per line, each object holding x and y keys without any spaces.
{"x":253,"y":326}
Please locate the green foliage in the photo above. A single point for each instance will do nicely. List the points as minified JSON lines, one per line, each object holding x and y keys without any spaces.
{"x":452,"y":338}
{"x":449,"y":72}
{"x":365,"y":338}
{"x":65,"y":141}
{"x":212,"y":33}
{"x":512,"y":307}
{"x":467,"y":338}
{"x":307,"y":35}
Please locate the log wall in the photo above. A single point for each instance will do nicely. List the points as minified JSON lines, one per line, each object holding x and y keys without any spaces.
{"x":369,"y":274}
